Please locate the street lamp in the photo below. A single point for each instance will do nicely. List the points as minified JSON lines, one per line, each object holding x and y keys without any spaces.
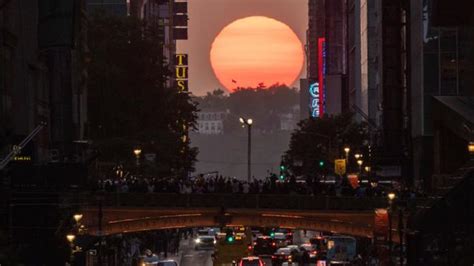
{"x":248,"y":122}
{"x":70,"y":238}
{"x":357,"y":156}
{"x":137,"y":153}
{"x":391,"y":196}
{"x":367,"y":169}
{"x":347,"y":150}
{"x":360,"y":162}
{"x":77,"y":217}
{"x":470,"y":148}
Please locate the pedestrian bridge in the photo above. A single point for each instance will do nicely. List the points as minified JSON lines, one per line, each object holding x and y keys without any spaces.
{"x":116,"y":213}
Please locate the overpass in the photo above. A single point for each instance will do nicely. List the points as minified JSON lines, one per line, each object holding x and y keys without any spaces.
{"x":118,"y":213}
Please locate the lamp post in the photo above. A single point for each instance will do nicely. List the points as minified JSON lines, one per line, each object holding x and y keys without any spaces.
{"x":137,"y":153}
{"x":391,"y":197}
{"x":347,"y":150}
{"x":70,"y":238}
{"x":359,"y":163}
{"x":470,"y":148}
{"x":248,"y":122}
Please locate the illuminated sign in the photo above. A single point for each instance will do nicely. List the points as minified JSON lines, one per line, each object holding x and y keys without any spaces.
{"x":322,"y":75}
{"x":181,"y":72}
{"x":22,"y":158}
{"x":314,"y":106}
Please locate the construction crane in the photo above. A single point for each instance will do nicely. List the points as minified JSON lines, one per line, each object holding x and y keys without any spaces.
{"x":16,"y":149}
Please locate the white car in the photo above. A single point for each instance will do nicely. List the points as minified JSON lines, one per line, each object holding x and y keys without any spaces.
{"x":204,"y":242}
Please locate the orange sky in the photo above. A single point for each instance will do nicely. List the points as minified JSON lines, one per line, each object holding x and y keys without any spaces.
{"x":208,"y":17}
{"x":256,"y":49}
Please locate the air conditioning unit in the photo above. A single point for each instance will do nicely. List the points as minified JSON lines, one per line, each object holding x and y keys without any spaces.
{"x":53,"y":155}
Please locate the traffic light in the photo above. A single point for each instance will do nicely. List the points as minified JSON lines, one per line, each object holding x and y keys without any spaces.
{"x":321,"y":163}
{"x":282,"y":172}
{"x":229,"y":236}
{"x":272,"y":234}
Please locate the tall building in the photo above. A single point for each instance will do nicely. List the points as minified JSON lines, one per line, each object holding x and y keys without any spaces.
{"x":441,"y":77}
{"x":326,"y":56}
{"x":44,"y":77}
{"x":111,"y":7}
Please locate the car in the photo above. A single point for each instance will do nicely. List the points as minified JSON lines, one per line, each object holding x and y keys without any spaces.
{"x":282,"y":255}
{"x":251,"y":261}
{"x":288,"y":233}
{"x":311,"y":249}
{"x":204,"y":242}
{"x":280,"y":239}
{"x":240,"y":236}
{"x":167,"y":263}
{"x":264,"y":245}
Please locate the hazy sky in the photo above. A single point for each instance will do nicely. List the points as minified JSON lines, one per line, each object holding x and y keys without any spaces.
{"x":208,"y":17}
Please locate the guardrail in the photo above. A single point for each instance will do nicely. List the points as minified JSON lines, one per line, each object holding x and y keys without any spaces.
{"x":247,"y":201}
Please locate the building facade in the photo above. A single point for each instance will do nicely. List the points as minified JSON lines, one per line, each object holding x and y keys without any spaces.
{"x":44,"y":77}
{"x":326,"y":52}
{"x":210,"y":122}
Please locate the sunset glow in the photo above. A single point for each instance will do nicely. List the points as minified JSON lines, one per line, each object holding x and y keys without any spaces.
{"x":256,"y":49}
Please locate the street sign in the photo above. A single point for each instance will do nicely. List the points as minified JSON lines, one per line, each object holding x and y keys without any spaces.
{"x":340,"y":166}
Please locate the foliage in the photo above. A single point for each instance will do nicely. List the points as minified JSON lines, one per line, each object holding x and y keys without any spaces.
{"x":129,"y":103}
{"x":263,"y":105}
{"x":322,"y":139}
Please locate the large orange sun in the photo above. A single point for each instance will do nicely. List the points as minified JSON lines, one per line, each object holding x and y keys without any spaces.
{"x":255,"y":50}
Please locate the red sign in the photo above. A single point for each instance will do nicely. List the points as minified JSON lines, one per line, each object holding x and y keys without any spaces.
{"x":353,"y":180}
{"x":321,"y":74}
{"x":381,"y":224}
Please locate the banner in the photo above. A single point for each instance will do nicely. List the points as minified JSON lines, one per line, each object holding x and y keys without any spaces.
{"x":340,"y":166}
{"x":353,"y":180}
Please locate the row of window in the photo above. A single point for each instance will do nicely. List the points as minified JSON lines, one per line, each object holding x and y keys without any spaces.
{"x":211,"y":116}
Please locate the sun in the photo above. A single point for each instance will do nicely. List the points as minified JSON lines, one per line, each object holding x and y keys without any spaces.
{"x":255,"y":50}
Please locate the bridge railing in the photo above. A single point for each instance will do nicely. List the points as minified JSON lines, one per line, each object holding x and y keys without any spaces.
{"x":251,"y":201}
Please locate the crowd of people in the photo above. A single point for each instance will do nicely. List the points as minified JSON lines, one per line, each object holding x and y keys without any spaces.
{"x":269,"y":185}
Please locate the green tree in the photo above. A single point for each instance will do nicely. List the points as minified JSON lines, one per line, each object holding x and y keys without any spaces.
{"x":129,"y":102}
{"x":322,"y":139}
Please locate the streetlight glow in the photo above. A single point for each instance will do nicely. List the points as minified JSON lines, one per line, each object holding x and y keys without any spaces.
{"x":347,"y":149}
{"x":391,"y":196}
{"x":360,"y":162}
{"x":70,"y":238}
{"x":137,"y":152}
{"x":249,"y":121}
{"x":357,"y":156}
{"x":367,"y":169}
{"x":241,"y":120}
{"x":77,"y":217}
{"x":470,"y":147}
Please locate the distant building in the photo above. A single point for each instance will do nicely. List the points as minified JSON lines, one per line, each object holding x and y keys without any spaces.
{"x":211,"y":123}
{"x":289,"y":121}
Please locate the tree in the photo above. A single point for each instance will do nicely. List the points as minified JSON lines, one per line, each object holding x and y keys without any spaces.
{"x":322,"y":139}
{"x":129,"y":102}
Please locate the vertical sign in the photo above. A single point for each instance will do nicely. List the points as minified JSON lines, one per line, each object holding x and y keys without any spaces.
{"x":322,"y":75}
{"x":314,"y":105}
{"x":181,"y":72}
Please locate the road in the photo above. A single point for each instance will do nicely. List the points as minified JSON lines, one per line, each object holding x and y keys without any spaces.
{"x":191,"y":257}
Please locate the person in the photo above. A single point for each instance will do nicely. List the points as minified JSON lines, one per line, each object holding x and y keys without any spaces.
{"x":150,"y":257}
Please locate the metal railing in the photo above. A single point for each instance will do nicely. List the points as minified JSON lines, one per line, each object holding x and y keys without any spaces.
{"x":247,"y":201}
